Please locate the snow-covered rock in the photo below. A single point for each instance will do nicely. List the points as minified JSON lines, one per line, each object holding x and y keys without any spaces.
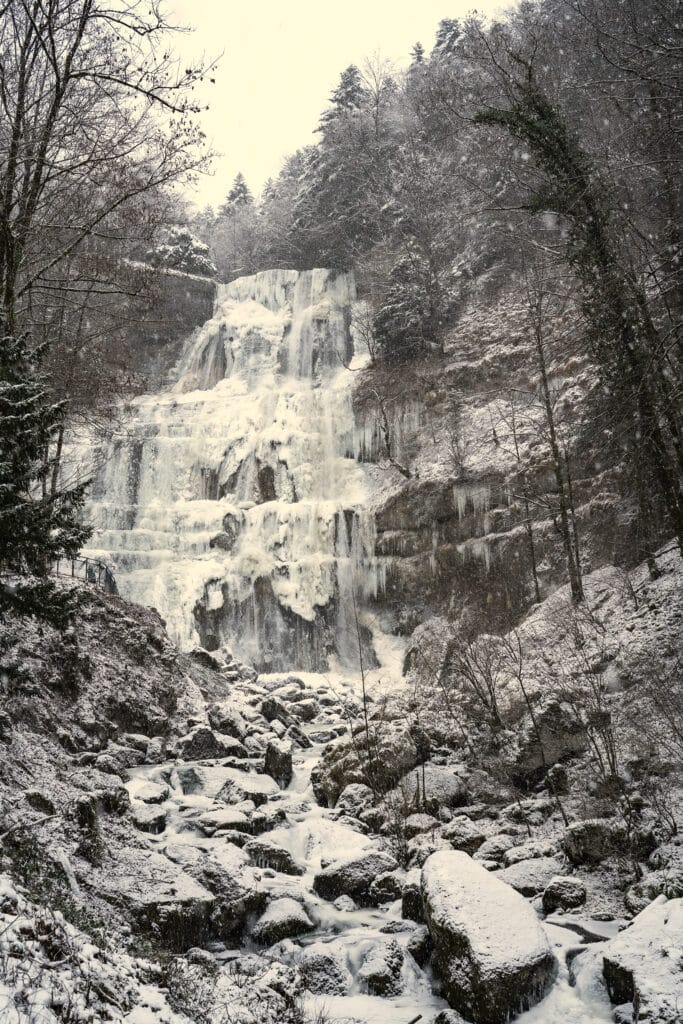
{"x":380,"y":972}
{"x":489,"y":948}
{"x":324,"y":970}
{"x":353,"y":876}
{"x":282,"y":919}
{"x":563,"y":892}
{"x":643,"y":965}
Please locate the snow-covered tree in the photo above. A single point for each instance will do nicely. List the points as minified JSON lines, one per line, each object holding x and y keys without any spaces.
{"x":39,"y":523}
{"x":181,"y":250}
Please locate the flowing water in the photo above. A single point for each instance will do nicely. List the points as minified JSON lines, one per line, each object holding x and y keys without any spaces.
{"x":311,"y":833}
{"x":235,"y":503}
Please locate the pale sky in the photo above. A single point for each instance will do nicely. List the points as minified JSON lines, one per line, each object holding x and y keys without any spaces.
{"x":280,"y":61}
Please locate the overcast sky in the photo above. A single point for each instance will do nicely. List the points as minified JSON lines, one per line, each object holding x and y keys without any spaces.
{"x":280,"y":61}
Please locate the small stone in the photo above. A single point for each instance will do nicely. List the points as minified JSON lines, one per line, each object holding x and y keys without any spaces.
{"x":563,"y":893}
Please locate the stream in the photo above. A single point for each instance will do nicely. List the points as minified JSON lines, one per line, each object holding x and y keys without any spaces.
{"x":310,"y":834}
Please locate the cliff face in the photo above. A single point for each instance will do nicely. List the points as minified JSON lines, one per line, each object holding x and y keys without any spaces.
{"x":462,"y":479}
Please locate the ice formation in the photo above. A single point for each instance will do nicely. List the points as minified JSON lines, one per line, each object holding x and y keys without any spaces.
{"x":233,"y":502}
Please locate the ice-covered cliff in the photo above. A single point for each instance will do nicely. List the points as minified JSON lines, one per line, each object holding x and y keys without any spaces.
{"x":233,"y":502}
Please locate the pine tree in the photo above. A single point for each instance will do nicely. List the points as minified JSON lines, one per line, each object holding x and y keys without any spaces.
{"x":418,"y":54}
{"x":37,"y":525}
{"x":238,"y":197}
{"x":347,"y":97}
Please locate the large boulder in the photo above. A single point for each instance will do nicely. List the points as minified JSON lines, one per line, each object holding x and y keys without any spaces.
{"x":530,"y":877}
{"x":593,"y":840}
{"x":239,"y":786}
{"x":554,"y":734}
{"x":353,"y":876}
{"x":221,"y":872}
{"x":267,"y":854}
{"x":157,"y":895}
{"x":563,"y":892}
{"x":282,"y":919}
{"x":203,"y":742}
{"x":596,"y":839}
{"x":489,"y":948}
{"x":431,"y":787}
{"x":642,"y":965}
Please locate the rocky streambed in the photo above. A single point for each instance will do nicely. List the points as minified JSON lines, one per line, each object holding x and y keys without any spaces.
{"x":282,"y":882}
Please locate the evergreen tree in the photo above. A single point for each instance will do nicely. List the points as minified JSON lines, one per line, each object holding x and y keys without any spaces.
{"x":418,"y":53}
{"x":347,"y":97}
{"x":38,"y":525}
{"x":238,"y":197}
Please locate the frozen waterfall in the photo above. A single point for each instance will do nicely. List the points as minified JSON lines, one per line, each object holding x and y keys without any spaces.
{"x":233,"y":502}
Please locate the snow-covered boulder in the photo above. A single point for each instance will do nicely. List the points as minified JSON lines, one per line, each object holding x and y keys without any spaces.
{"x":433,"y":786}
{"x":241,"y":785}
{"x":353,"y":876}
{"x":324,"y":971}
{"x":354,"y":798}
{"x":203,"y":742}
{"x":463,"y":834}
{"x":643,"y":965}
{"x":593,"y":840}
{"x":530,"y":877}
{"x":563,"y":893}
{"x":158,"y":895}
{"x":267,"y":854}
{"x":282,"y":919}
{"x":489,"y":948}
{"x":380,"y":972}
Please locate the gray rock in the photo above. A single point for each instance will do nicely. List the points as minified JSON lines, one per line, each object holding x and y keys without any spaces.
{"x":563,"y":893}
{"x":411,"y":898}
{"x":241,"y":785}
{"x":380,"y":972}
{"x":278,"y":761}
{"x":463,"y":834}
{"x":386,"y":888}
{"x":152,"y":793}
{"x":594,"y":840}
{"x":324,"y":971}
{"x":149,"y":818}
{"x":638,"y":965}
{"x":416,"y":824}
{"x":272,"y":708}
{"x":282,"y":919}
{"x":419,"y":945}
{"x":203,"y":742}
{"x":157,"y":896}
{"x":530,"y":877}
{"x":223,"y":818}
{"x":490,"y":951}
{"x":354,"y":799}
{"x":306,"y":710}
{"x":432,"y":786}
{"x":266,"y":854}
{"x":495,"y":848}
{"x":353,"y":876}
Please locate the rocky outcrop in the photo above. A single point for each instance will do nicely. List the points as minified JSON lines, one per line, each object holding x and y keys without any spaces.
{"x":642,"y":965}
{"x":490,"y":952}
